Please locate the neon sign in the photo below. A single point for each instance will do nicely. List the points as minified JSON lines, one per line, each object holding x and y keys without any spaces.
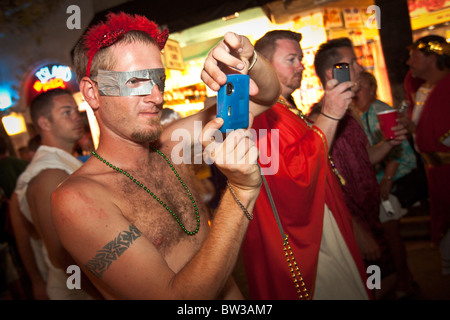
{"x":52,"y":77}
{"x":48,"y":77}
{"x":62,"y":72}
{"x":51,"y":84}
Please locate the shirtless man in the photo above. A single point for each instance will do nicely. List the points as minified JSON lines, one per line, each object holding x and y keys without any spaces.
{"x":128,"y":242}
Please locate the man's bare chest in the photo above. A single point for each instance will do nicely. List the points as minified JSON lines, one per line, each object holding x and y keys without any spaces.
{"x":160,"y":202}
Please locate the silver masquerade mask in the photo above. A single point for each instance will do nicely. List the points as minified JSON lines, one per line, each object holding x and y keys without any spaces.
{"x":130,"y":83}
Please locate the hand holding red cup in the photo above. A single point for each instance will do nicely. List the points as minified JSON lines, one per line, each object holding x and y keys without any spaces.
{"x":388,"y":120}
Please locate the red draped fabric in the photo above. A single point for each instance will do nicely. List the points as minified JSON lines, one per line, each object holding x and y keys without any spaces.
{"x":433,"y":123}
{"x":302,"y":185}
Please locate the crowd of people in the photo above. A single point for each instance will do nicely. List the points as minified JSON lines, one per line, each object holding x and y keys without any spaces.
{"x":140,"y":225}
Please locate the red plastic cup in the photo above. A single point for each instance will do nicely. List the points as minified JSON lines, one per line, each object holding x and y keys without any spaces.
{"x":387,"y":120}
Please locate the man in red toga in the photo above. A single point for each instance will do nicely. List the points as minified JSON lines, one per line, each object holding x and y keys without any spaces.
{"x":430,"y":124}
{"x":319,"y":258}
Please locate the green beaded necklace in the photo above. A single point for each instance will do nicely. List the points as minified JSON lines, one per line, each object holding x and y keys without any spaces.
{"x":174,"y":215}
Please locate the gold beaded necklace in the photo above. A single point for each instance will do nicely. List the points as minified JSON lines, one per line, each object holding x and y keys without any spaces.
{"x":296,"y":275}
{"x":153,"y":195}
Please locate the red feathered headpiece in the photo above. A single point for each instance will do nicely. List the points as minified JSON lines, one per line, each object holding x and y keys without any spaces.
{"x":107,"y":33}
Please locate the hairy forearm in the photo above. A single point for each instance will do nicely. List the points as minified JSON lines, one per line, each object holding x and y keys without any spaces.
{"x":266,"y":78}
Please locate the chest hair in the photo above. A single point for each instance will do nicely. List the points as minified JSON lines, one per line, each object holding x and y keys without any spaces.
{"x":150,"y":217}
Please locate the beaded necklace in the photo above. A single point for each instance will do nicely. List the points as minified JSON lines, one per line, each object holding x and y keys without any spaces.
{"x":153,"y":195}
{"x":309,"y":123}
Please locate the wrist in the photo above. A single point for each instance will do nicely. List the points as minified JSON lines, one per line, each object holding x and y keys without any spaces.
{"x":243,"y":208}
{"x":388,"y":178}
{"x":252,"y":61}
{"x":330,"y":117}
{"x":246,"y":194}
{"x":388,"y":143}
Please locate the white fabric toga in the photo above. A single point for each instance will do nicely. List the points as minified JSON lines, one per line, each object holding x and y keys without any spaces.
{"x":336,"y":266}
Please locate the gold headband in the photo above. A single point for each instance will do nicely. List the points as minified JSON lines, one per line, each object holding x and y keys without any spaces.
{"x":434,"y":47}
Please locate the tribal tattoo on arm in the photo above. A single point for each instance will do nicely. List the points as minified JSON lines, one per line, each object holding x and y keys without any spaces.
{"x":112,"y":251}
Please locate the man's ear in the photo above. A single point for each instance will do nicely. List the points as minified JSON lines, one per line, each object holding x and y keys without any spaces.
{"x":88,"y":89}
{"x":44,"y":123}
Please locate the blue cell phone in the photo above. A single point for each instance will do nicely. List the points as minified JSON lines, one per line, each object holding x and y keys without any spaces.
{"x":232,"y":102}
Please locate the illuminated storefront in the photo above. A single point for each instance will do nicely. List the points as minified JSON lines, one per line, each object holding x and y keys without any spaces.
{"x":185,"y":93}
{"x":430,"y":17}
{"x":186,"y":51}
{"x":325,"y":23}
{"x":346,"y":18}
